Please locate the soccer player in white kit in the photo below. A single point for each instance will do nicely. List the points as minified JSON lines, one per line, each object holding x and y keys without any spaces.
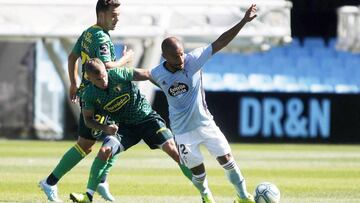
{"x":180,"y":79}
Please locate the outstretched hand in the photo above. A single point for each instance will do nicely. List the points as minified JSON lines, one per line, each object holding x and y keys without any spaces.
{"x":250,"y":13}
{"x":128,"y":55}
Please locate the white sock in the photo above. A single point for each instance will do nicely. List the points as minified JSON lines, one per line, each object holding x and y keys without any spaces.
{"x":235,"y":177}
{"x":201,"y":184}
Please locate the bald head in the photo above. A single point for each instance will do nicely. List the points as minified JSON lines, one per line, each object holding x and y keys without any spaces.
{"x":94,"y":66}
{"x":96,"y":72}
{"x":170,"y":44}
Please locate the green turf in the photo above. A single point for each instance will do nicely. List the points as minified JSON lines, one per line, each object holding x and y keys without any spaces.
{"x":304,"y":173}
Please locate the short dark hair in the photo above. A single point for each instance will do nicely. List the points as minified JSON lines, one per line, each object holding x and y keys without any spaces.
{"x":104,"y":5}
{"x":92,"y":66}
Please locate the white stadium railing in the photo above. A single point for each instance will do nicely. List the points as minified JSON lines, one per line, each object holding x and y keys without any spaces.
{"x":348,"y":29}
{"x":196,"y":21}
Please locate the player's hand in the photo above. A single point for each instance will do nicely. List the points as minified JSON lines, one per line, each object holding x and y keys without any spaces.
{"x":111,"y":129}
{"x":250,"y":13}
{"x":72,"y":93}
{"x":128,"y":55}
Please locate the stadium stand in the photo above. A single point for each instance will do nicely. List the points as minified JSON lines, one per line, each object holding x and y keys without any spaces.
{"x":311,"y":66}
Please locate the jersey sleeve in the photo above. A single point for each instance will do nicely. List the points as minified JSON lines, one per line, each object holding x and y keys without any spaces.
{"x":102,"y":47}
{"x":198,"y":57}
{"x":155,"y":74}
{"x":123,"y":74}
{"x":77,"y":47}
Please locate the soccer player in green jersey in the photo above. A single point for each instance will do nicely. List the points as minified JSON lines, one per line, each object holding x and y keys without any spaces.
{"x":93,"y":42}
{"x":112,"y":93}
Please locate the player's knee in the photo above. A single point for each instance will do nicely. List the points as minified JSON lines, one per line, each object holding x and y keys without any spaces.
{"x":104,"y":153}
{"x":224,"y":159}
{"x":85,"y":144}
{"x":169,"y":145}
{"x":170,"y":148}
{"x":112,"y":145}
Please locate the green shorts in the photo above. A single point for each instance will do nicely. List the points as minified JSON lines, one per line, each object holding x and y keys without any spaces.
{"x":152,"y":130}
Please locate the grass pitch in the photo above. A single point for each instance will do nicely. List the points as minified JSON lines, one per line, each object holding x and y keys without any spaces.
{"x":303,"y":173}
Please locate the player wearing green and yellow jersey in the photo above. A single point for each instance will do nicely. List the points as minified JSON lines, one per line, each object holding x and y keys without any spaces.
{"x":93,"y":42}
{"x":112,"y":93}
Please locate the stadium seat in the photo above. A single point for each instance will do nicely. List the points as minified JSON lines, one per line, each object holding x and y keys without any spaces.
{"x":314,"y":42}
{"x":332,"y":43}
{"x":307,"y":66}
{"x":323,"y":52}
{"x":298,"y":52}
{"x":328,"y":63}
{"x":283,"y":65}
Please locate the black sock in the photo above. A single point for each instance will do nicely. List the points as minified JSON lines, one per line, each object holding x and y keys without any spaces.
{"x":52,"y":180}
{"x":89,"y":196}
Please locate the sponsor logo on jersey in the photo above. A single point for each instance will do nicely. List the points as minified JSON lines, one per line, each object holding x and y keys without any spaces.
{"x":117,"y":103}
{"x":178,"y":88}
{"x":104,"y":49}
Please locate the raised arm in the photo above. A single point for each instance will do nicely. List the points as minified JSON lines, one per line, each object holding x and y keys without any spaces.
{"x":73,"y":71}
{"x":90,"y":122}
{"x":126,"y":58}
{"x":230,"y":34}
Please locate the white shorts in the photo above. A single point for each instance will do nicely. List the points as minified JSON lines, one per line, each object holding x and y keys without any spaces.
{"x":189,"y":144}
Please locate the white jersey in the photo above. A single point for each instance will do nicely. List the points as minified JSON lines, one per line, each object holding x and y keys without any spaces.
{"x":185,"y":93}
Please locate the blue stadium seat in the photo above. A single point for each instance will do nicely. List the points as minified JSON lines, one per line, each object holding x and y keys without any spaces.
{"x":276,"y":52}
{"x":314,"y":42}
{"x":298,"y":52}
{"x":283,"y":65}
{"x":307,"y":66}
{"x":323,"y":52}
{"x":331,"y":65}
{"x":351,"y":63}
{"x":332,"y":43}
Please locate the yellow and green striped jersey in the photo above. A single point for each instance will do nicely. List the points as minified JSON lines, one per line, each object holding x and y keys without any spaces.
{"x":94,"y":42}
{"x":122,"y":100}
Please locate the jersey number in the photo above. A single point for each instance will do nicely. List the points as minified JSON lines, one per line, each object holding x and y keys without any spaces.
{"x":182,"y":149}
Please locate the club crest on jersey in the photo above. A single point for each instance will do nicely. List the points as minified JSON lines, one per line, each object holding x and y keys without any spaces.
{"x":178,"y":88}
{"x":117,"y":88}
{"x":104,"y":49}
{"x":117,"y":103}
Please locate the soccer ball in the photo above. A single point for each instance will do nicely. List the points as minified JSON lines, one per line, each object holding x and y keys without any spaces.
{"x":267,"y":193}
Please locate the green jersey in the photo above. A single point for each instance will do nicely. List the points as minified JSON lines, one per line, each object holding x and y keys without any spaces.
{"x":93,"y":43}
{"x":122,"y":100}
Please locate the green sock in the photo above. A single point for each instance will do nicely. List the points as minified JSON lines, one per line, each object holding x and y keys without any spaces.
{"x":97,"y":169}
{"x":73,"y":156}
{"x":108,"y":166}
{"x":186,"y":171}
